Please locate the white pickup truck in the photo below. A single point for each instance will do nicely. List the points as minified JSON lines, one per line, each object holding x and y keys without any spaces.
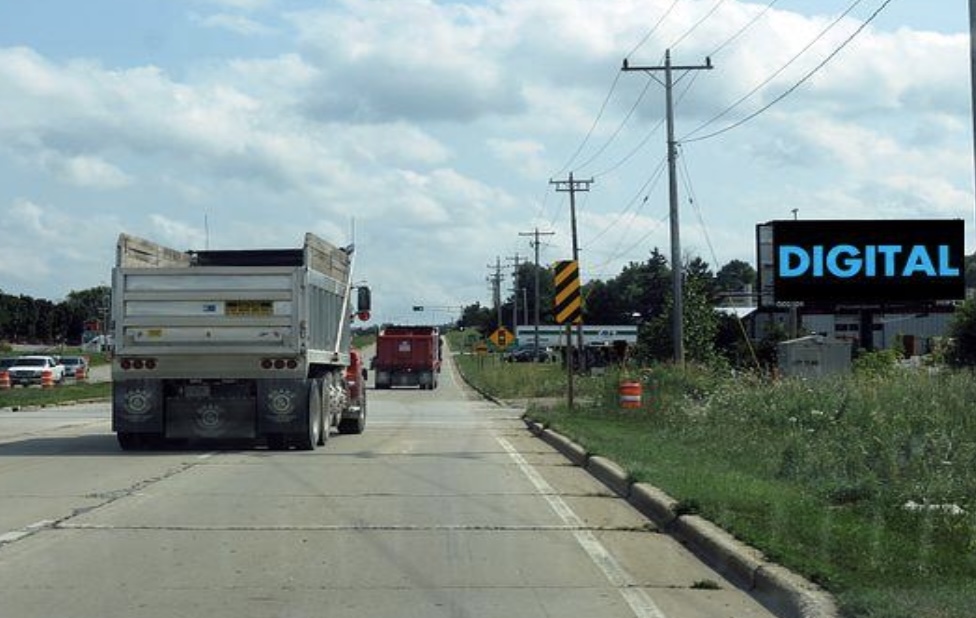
{"x":28,"y":370}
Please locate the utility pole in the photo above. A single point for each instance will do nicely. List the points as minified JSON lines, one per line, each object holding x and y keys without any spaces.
{"x":573,"y":186}
{"x":972,"y":68}
{"x":677,"y":317}
{"x":535,"y":245}
{"x":515,"y":291}
{"x":496,"y":287}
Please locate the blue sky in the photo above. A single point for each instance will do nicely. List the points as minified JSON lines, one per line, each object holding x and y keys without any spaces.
{"x":436,"y":127}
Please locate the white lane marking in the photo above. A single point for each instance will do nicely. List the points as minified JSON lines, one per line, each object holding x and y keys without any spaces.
{"x":639,"y":601}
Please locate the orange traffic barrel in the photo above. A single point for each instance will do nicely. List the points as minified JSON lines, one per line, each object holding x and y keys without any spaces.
{"x":47,"y":379}
{"x":4,"y":381}
{"x":630,"y":394}
{"x":80,"y":374}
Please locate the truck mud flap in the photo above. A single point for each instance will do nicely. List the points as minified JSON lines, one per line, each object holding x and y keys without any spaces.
{"x":282,"y":406}
{"x":210,"y":418}
{"x":137,"y":406}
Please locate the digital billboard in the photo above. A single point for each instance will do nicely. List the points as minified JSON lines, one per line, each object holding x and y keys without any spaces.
{"x":861,"y":261}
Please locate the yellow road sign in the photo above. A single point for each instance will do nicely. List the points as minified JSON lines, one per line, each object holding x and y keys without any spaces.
{"x":502,"y":337}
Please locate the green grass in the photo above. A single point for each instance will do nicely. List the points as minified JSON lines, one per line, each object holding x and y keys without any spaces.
{"x":816,"y":474}
{"x":35,"y":396}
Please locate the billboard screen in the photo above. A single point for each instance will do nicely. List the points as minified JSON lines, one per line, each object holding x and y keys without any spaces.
{"x":861,"y":261}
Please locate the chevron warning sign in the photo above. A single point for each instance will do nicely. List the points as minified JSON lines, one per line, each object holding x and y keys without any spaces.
{"x":569,"y":300}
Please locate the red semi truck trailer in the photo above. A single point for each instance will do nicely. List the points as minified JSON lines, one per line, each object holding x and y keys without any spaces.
{"x":408,"y":356}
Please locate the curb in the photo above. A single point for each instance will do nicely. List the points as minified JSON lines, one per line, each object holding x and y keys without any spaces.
{"x":780,"y":590}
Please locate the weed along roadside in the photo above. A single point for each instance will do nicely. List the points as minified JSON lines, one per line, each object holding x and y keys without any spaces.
{"x":864,"y":485}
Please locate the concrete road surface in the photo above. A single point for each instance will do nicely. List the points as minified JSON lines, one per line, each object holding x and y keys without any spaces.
{"x":445,"y":507}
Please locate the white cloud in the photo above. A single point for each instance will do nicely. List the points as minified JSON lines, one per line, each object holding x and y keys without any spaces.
{"x":237,"y":24}
{"x":92,"y":172}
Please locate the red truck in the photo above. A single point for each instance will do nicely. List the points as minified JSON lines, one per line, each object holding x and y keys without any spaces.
{"x":408,"y":356}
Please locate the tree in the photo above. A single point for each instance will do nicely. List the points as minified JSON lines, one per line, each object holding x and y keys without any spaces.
{"x":962,"y":330}
{"x":477,"y":317}
{"x":735,"y":276}
{"x":701,"y":327}
{"x":23,"y":318}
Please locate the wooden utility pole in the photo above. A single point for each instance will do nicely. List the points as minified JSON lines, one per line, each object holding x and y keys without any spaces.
{"x":573,"y":186}
{"x":535,"y":245}
{"x":677,"y":316}
{"x":496,"y":287}
{"x":515,"y":291}
{"x":972,"y":68}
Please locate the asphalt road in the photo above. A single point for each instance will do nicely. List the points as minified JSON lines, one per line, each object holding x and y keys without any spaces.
{"x":445,"y":506}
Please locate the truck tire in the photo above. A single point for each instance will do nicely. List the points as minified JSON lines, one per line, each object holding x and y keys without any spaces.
{"x":328,"y":408}
{"x":355,"y":425}
{"x":130,"y":441}
{"x":308,"y":440}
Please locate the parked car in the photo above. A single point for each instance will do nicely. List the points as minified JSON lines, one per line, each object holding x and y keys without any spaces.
{"x":72,"y":364}
{"x":527,"y":353}
{"x":29,"y":369}
{"x":7,"y":362}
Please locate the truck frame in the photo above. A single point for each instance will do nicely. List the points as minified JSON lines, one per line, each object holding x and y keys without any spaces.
{"x":247,"y":344}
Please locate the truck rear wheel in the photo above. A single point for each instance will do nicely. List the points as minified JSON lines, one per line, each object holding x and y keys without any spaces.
{"x":314,"y":428}
{"x":130,"y":441}
{"x":355,"y":425}
{"x":328,"y":408}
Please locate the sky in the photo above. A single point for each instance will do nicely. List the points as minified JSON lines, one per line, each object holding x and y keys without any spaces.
{"x":428,"y":132}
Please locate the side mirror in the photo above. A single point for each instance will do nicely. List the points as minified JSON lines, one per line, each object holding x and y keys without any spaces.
{"x":363,"y":299}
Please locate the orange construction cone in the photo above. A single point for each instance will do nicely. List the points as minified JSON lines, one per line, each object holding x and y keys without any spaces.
{"x":4,"y":381}
{"x":47,"y":379}
{"x":80,"y":374}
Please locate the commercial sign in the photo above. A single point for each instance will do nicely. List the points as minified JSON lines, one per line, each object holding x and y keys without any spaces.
{"x":861,"y":261}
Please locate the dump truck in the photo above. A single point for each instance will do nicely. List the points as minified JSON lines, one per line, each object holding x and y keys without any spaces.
{"x":407,"y":356}
{"x":234,"y":345}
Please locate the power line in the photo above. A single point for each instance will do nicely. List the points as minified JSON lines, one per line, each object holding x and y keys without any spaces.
{"x":606,"y":101}
{"x":654,"y":28}
{"x":593,"y":126}
{"x":741,"y":30}
{"x":701,"y":219}
{"x":620,"y":128}
{"x":644,"y":190}
{"x":789,"y":91}
{"x":696,"y":24}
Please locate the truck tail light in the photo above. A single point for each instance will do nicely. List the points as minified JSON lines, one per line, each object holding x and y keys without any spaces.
{"x":137,"y":364}
{"x":279,"y":363}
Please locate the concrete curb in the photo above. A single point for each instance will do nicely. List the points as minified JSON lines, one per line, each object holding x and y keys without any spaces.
{"x":572,"y":451}
{"x":778,"y":589}
{"x":610,"y":474}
